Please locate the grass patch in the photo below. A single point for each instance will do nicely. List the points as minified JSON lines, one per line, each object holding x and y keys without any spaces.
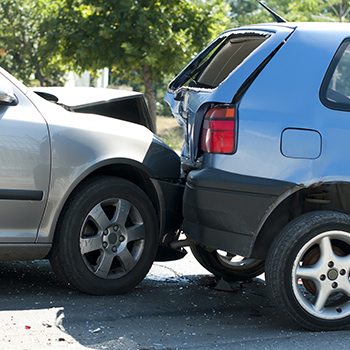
{"x":170,"y":132}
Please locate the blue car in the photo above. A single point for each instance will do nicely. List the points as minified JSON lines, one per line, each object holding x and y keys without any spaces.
{"x":265,"y":111}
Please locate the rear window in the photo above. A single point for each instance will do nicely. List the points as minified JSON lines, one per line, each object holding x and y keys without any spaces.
{"x":335,"y":90}
{"x":217,"y":61}
{"x":230,"y":55}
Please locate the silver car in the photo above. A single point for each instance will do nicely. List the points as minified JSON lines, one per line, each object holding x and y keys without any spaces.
{"x":95,"y":194}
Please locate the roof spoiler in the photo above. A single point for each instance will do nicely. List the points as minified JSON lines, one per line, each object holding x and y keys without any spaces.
{"x":277,"y":17}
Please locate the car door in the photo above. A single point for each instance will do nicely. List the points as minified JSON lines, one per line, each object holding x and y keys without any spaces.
{"x":24,"y":167}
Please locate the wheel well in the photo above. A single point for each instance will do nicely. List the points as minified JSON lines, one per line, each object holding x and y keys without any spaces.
{"x":329,"y":196}
{"x":133,"y":174}
{"x":127,"y":172}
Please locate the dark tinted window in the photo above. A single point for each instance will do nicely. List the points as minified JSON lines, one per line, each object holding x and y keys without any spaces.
{"x":335,"y":90}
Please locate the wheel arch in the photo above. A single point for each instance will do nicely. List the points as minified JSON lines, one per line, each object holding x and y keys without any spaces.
{"x":127,"y":169}
{"x":165,"y":194}
{"x":334,"y":196}
{"x":133,"y":172}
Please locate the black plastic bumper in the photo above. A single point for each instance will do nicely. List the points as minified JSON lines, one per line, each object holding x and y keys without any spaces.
{"x":224,"y":210}
{"x":170,"y":196}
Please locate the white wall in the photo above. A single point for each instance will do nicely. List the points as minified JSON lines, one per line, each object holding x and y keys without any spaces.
{"x":83,"y":80}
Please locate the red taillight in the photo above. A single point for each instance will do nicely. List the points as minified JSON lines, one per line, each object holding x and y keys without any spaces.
{"x":218,"y":131}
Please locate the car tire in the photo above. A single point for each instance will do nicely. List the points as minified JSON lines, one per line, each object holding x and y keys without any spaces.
{"x":226,"y":265}
{"x":107,"y":237}
{"x":307,"y":270}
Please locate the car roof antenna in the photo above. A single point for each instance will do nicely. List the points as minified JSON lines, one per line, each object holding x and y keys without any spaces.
{"x":277,"y":17}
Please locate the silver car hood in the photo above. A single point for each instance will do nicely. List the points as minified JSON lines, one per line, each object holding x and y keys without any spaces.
{"x":112,"y":137}
{"x":83,"y":96}
{"x":119,"y":104}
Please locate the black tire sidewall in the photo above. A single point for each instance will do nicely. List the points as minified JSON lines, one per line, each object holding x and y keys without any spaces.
{"x":210,"y":260}
{"x":281,"y":258}
{"x":72,"y":220}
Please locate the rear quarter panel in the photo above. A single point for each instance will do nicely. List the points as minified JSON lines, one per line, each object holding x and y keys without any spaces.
{"x":189,"y":110}
{"x":286,"y":95}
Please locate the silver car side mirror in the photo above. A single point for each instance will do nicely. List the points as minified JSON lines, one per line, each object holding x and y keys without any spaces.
{"x":7,"y":95}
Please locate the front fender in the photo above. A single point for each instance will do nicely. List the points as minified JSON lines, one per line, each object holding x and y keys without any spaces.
{"x":83,"y":144}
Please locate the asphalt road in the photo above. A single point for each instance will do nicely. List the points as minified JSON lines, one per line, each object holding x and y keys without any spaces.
{"x":178,"y":306}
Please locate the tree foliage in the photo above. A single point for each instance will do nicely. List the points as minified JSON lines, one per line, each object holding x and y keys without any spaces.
{"x":139,"y":39}
{"x":249,"y":11}
{"x":25,"y":49}
{"x":128,"y":33}
{"x":244,"y":12}
{"x":320,"y":10}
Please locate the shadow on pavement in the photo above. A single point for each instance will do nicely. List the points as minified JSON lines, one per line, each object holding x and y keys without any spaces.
{"x":166,"y":311}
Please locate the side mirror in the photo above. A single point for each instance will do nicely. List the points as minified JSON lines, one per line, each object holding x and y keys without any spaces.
{"x":7,"y":96}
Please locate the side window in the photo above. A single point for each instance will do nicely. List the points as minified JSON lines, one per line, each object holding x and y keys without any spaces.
{"x":335,"y":90}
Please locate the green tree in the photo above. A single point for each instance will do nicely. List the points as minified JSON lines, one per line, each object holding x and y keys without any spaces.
{"x":320,"y":10}
{"x":244,"y":12}
{"x":249,"y":11}
{"x":25,"y":50}
{"x":141,"y":40}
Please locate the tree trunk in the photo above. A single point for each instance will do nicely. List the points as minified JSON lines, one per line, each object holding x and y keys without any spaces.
{"x":150,"y":96}
{"x":39,"y":75}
